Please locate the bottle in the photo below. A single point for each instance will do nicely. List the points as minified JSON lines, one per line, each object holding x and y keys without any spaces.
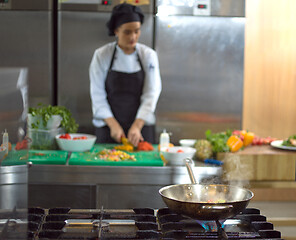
{"x":5,"y":141}
{"x":164,"y":140}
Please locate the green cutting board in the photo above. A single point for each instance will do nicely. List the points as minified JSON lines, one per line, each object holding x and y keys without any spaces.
{"x":143,"y":158}
{"x":36,"y":157}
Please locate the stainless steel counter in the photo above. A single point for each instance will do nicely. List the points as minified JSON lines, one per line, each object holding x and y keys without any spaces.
{"x":112,"y":187}
{"x":13,"y":187}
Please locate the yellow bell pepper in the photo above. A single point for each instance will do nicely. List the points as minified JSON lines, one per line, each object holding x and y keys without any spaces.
{"x":128,"y":148}
{"x":126,"y":145}
{"x":247,"y":137}
{"x":234,"y":143}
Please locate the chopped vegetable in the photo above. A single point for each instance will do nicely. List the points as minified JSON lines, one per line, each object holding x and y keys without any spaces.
{"x":21,"y":145}
{"x":68,"y":136}
{"x":145,"y":146}
{"x":80,"y":138}
{"x":39,"y":154}
{"x":126,"y":145}
{"x":128,"y":148}
{"x":115,"y":155}
{"x":65,"y":136}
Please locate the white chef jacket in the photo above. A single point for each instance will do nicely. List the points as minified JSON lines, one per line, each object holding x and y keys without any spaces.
{"x":127,"y":63}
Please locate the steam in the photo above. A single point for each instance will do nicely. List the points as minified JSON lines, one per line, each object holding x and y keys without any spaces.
{"x":237,"y":171}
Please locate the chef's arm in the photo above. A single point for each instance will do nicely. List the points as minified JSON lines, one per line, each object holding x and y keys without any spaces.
{"x":151,"y":89}
{"x":134,"y":133}
{"x":97,"y":74}
{"x":116,"y":130}
{"x":138,"y":123}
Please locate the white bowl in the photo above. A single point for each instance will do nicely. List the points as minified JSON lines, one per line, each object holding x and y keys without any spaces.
{"x":176,"y":155}
{"x":187,"y":142}
{"x":76,"y":145}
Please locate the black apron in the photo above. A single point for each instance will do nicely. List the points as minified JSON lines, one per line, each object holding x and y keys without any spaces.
{"x":124,"y":92}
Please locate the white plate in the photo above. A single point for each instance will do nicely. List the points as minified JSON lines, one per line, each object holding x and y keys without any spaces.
{"x":187,"y":142}
{"x":279,"y":144}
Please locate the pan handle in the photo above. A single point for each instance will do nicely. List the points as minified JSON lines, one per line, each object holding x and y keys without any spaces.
{"x":218,"y":207}
{"x":189,"y":163}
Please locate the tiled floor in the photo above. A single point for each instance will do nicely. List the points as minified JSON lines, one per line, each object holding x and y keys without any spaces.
{"x":277,"y":210}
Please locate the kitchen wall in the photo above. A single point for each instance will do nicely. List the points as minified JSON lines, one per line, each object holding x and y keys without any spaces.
{"x":201,"y":64}
{"x":269,"y":106}
{"x":187,"y":106}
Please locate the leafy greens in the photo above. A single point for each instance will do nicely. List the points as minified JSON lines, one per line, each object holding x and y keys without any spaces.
{"x":288,"y":141}
{"x":68,"y":122}
{"x":218,"y":140}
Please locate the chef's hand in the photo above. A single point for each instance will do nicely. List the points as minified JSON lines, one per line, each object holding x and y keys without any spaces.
{"x":134,"y":133}
{"x":116,"y":131}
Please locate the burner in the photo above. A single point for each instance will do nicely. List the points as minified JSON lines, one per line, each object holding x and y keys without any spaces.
{"x":247,"y":225}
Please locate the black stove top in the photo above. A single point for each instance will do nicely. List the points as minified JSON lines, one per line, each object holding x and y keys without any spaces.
{"x":140,"y":223}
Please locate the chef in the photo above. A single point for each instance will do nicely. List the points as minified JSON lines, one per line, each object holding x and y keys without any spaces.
{"x":125,"y":82}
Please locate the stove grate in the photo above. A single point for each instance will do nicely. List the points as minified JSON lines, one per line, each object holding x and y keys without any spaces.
{"x":144,"y":223}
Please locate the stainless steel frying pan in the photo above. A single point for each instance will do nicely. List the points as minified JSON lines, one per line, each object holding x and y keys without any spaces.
{"x":205,"y":201}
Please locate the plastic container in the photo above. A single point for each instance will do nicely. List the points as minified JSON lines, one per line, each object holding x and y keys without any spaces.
{"x":5,"y":141}
{"x":164,"y":139}
{"x":53,"y":122}
{"x":43,"y":139}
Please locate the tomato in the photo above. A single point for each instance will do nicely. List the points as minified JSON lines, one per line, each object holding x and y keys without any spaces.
{"x":180,"y":151}
{"x":65,"y":136}
{"x":255,"y":141}
{"x":21,"y":145}
{"x":236,"y":132}
{"x":80,"y":138}
{"x":145,"y":146}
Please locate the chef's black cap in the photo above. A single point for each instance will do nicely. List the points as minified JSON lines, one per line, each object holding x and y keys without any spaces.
{"x":124,"y":13}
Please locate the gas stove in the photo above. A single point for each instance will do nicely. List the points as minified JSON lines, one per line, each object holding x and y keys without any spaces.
{"x":139,"y":223}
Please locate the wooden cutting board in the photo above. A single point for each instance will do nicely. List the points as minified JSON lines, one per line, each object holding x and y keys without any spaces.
{"x":259,"y":163}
